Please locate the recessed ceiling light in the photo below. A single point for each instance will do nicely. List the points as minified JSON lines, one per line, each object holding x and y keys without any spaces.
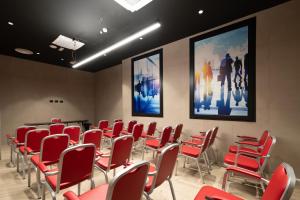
{"x":11,"y":23}
{"x":141,"y":38}
{"x":62,"y":59}
{"x":200,"y":12}
{"x":101,"y":32}
{"x":38,"y":53}
{"x":23,"y":51}
{"x":104,"y":30}
{"x":133,"y":5}
{"x":53,"y":46}
{"x":120,"y":43}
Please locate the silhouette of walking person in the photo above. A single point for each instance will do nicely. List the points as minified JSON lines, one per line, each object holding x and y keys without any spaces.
{"x":207,"y":76}
{"x":238,"y":68}
{"x":226,"y":70}
{"x":246,"y":66}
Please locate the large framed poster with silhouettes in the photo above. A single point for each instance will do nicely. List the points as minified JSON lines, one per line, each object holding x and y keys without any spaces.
{"x":222,"y":73}
{"x":147,"y":80}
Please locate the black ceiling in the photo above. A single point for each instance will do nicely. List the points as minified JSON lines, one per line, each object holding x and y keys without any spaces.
{"x":37,"y":23}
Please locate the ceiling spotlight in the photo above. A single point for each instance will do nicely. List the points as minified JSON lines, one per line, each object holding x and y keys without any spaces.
{"x":119,"y":44}
{"x":62,"y":59}
{"x":101,"y":32}
{"x":38,"y":53}
{"x":104,"y":30}
{"x":10,"y":23}
{"x":141,"y":38}
{"x":200,"y":12}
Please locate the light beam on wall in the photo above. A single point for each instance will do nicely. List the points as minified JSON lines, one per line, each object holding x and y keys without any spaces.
{"x":119,"y":44}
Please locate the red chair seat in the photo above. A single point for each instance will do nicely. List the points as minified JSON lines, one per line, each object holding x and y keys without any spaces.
{"x":242,"y":161}
{"x":190,"y":151}
{"x":149,"y":182}
{"x":41,"y":165}
{"x":214,"y":193}
{"x":234,"y":149}
{"x":153,"y":143}
{"x":94,"y":194}
{"x":52,"y":180}
{"x":22,"y":149}
{"x":244,"y":171}
{"x":109,"y":134}
{"x":103,"y":163}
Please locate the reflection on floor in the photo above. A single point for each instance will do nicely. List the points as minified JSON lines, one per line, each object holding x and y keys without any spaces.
{"x":186,"y":183}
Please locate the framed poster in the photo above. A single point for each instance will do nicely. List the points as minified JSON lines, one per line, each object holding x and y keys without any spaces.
{"x":147,"y":89}
{"x":222,"y":73}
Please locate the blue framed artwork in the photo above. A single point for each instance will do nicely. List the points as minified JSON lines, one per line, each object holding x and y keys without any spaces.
{"x":222,"y":73}
{"x":147,"y":81}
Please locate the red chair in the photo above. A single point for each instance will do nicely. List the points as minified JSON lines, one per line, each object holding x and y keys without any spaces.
{"x":255,"y":162}
{"x":130,"y":127}
{"x":93,"y":136}
{"x":196,"y":152}
{"x":249,"y":143}
{"x":74,"y":134}
{"x":119,"y":155}
{"x":32,"y":146}
{"x":163,"y":170}
{"x":103,"y":124}
{"x":57,"y":128}
{"x":117,"y":128}
{"x":75,"y":165}
{"x":280,"y":187}
{"x":51,"y":148}
{"x":177,"y":133}
{"x":128,"y":184}
{"x":150,"y":131}
{"x":18,"y":140}
{"x":55,"y":120}
{"x":155,"y":144}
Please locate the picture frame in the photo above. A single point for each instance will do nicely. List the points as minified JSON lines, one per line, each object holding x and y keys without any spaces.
{"x":222,"y":73}
{"x":147,"y":84}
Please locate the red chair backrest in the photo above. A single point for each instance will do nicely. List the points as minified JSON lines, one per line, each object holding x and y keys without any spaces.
{"x":137,"y":131}
{"x":118,"y":120}
{"x":282,"y":183}
{"x":213,"y":136}
{"x":118,"y":127}
{"x":267,"y":148}
{"x":103,"y":124}
{"x":55,"y":120}
{"x":73,"y":132}
{"x":165,"y":136}
{"x":151,"y":128}
{"x":52,"y":146}
{"x":21,"y":132}
{"x":121,"y":150}
{"x":165,"y":164}
{"x":206,"y":140}
{"x":129,"y":183}
{"x":93,"y":136}
{"x":177,"y":132}
{"x":76,"y":165}
{"x":33,"y":139}
{"x":131,"y":125}
{"x":264,"y":138}
{"x":56,"y":128}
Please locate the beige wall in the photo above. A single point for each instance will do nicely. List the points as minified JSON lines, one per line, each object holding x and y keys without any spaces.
{"x":26,"y":88}
{"x":277,"y":74}
{"x":109,"y":93}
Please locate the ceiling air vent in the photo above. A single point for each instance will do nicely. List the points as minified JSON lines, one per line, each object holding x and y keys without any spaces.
{"x":68,"y":43}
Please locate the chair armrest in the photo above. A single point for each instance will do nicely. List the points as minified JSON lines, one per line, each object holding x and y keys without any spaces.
{"x":151,"y":137}
{"x":152,"y":173}
{"x":246,"y":172}
{"x":191,"y":143}
{"x":248,"y":143}
{"x":200,"y":137}
{"x":245,"y":137}
{"x":70,"y":196}
{"x":51,"y":173}
{"x":249,"y":153}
